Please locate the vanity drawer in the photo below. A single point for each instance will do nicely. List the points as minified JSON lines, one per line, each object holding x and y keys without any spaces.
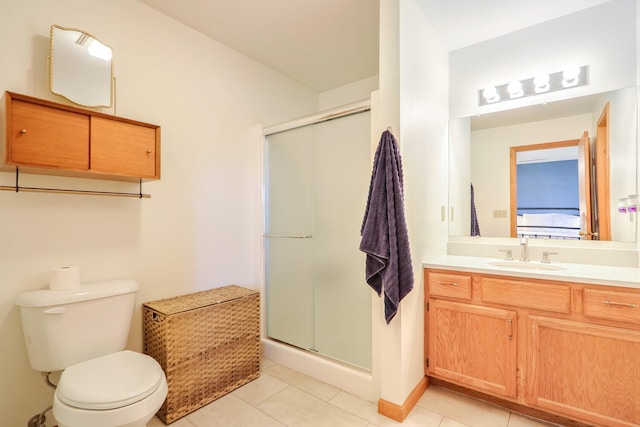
{"x":450,"y":285}
{"x":612,"y":305}
{"x":539,"y":296}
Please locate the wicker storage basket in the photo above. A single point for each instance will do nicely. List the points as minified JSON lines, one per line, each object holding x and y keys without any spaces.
{"x":208,"y":344}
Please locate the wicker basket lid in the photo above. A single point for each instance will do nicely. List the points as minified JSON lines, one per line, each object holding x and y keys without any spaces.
{"x":200,"y":299}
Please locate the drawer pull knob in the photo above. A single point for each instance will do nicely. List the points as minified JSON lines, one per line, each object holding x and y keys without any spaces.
{"x":447,"y":283}
{"x":23,"y":131}
{"x":149,"y":151}
{"x":620,"y":304}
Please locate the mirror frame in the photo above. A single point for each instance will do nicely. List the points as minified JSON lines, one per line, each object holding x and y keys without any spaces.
{"x":85,"y":74}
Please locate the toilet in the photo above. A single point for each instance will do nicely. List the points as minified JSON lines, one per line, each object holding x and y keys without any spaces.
{"x":83,"y":333}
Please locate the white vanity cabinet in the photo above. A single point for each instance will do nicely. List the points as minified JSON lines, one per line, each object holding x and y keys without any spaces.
{"x":567,"y":349}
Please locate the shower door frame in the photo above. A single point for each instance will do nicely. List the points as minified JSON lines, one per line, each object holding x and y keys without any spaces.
{"x":344,"y":111}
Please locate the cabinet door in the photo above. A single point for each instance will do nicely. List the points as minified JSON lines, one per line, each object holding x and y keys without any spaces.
{"x":38,"y":135}
{"x":585,"y":371}
{"x":122,"y":148}
{"x":473,"y":346}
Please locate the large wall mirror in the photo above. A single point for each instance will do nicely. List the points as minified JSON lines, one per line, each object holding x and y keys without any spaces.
{"x":530,"y":176}
{"x":81,"y":67}
{"x":550,"y":166}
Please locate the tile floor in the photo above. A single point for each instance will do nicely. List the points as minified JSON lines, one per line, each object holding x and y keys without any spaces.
{"x":284,"y":397}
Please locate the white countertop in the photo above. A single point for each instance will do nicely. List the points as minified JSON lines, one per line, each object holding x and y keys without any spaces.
{"x":583,"y":273}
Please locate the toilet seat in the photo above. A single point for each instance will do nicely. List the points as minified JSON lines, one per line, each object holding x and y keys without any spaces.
{"x":108,"y":382}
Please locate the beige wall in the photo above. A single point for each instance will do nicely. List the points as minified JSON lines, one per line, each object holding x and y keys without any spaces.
{"x":201,"y":228}
{"x":413,"y":100}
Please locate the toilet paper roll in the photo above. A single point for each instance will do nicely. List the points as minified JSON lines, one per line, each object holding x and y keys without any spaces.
{"x":66,"y":277}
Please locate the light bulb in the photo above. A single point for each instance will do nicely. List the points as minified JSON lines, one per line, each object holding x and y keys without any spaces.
{"x":490,"y":93}
{"x":541,"y":83}
{"x":570,"y":76}
{"x":515,"y":89}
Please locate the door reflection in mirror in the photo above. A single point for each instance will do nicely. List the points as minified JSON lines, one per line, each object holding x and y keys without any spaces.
{"x":545,"y":200}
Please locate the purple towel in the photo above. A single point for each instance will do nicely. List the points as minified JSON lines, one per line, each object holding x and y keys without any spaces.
{"x":385,"y":238}
{"x":475,"y":226}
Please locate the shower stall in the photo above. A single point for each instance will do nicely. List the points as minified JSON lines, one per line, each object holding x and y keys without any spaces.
{"x":316,"y":183}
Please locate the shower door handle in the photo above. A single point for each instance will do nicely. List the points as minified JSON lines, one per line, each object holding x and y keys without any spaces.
{"x":289,"y":236}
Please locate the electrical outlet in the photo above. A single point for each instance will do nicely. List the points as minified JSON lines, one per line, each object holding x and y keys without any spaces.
{"x":499,"y":213}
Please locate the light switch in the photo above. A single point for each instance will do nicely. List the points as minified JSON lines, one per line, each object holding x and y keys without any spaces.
{"x":500,"y":213}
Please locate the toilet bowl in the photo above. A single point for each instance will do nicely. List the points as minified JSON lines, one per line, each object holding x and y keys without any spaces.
{"x":123,"y":389}
{"x":83,"y":332}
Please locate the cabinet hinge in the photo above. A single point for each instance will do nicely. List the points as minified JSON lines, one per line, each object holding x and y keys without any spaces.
{"x":427,"y":362}
{"x":427,"y":306}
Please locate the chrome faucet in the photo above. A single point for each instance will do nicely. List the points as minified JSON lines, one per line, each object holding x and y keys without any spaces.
{"x":545,"y":257}
{"x":524,"y":249}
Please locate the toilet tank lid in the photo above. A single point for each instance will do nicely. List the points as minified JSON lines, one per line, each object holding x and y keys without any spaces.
{"x":89,"y":291}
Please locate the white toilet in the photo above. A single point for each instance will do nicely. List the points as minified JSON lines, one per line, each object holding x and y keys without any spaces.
{"x":83,"y":332}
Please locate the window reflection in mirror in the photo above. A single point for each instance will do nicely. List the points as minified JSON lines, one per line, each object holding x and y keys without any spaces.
{"x":81,"y":67}
{"x":480,"y":154}
{"x":548,"y":192}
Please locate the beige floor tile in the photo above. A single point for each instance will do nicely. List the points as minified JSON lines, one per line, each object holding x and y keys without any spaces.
{"x":266,"y":363}
{"x":283,"y":397}
{"x":448,"y":422}
{"x":369,"y":411}
{"x":519,"y":420}
{"x":317,"y":388}
{"x":231,"y":411}
{"x":465,"y":410}
{"x":182,"y":422}
{"x":260,"y":389}
{"x":296,"y":408}
{"x":357,"y":406}
{"x":418,"y":417}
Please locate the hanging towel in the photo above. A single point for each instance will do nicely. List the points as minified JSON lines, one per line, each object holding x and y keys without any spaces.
{"x":475,"y":226}
{"x":385,"y":238}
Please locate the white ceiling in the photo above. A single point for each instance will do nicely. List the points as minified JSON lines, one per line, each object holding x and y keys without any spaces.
{"x":325,"y":44}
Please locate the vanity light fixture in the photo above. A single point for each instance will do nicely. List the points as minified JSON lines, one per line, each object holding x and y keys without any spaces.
{"x":568,"y":78}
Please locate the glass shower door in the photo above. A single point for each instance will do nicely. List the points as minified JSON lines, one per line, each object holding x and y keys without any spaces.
{"x":316,"y":189}
{"x":288,"y":237}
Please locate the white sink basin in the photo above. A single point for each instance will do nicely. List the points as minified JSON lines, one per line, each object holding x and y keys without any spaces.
{"x":526,"y":265}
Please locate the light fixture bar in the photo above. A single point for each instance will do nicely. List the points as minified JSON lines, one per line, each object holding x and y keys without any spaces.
{"x":569,"y":78}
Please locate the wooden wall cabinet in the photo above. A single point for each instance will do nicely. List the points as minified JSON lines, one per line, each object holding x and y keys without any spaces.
{"x":568,"y":349}
{"x":49,"y":138}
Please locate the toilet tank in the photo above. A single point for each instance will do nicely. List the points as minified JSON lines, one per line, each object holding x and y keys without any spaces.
{"x":64,"y":327}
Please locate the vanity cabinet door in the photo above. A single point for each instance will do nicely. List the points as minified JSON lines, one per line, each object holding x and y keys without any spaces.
{"x":473,"y":346}
{"x":586,"y":372}
{"x":39,"y":135}
{"x":122,"y":148}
